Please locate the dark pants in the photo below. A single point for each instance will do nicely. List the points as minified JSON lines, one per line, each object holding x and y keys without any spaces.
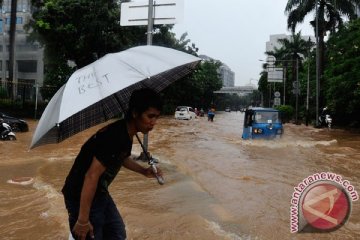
{"x":104,"y":217}
{"x":211,"y":117}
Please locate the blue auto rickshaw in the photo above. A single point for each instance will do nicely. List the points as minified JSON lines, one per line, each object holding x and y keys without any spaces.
{"x":262,"y":123}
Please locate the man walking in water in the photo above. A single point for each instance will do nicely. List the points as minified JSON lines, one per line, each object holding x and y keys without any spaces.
{"x":211,"y":114}
{"x":92,"y":211}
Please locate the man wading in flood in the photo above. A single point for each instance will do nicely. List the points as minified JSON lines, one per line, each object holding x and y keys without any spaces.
{"x":92,"y":211}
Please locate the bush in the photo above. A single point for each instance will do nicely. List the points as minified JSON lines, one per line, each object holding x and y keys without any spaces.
{"x":286,"y":111}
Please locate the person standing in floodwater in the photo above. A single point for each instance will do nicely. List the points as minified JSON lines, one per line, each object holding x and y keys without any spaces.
{"x":211,"y":114}
{"x":92,"y":211}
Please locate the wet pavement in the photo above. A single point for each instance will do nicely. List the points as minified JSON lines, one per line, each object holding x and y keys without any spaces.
{"x":218,"y":186}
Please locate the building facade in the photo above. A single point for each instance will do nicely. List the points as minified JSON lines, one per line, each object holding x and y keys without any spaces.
{"x":226,"y":75}
{"x":29,"y":65}
{"x":273,"y":42}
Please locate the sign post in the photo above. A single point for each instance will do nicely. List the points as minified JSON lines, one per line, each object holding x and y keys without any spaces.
{"x":163,"y":12}
{"x":149,"y":13}
{"x":277,"y":99}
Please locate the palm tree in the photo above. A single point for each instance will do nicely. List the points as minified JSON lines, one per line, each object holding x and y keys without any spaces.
{"x":329,"y":13}
{"x":291,"y":51}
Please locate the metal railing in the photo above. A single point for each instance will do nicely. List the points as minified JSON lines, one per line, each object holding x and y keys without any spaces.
{"x":24,"y":97}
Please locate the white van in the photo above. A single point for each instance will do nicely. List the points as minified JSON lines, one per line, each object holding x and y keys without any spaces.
{"x":184,"y":113}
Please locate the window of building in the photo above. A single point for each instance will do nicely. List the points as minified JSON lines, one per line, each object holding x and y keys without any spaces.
{"x":19,"y":20}
{"x":22,"y":5}
{"x":27,"y":66}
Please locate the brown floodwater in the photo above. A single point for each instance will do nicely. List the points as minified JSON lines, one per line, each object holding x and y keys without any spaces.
{"x":218,"y":186}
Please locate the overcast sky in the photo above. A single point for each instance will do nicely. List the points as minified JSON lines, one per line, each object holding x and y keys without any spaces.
{"x":235,"y":31}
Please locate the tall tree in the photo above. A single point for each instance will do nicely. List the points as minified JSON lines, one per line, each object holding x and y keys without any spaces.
{"x":329,"y":13}
{"x":79,"y":32}
{"x":291,"y":52}
{"x":82,"y":30}
{"x":343,"y":86}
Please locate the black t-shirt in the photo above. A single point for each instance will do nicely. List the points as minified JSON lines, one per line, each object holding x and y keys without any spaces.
{"x":111,"y":146}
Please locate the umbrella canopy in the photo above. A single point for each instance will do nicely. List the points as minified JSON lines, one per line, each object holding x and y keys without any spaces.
{"x":102,"y":89}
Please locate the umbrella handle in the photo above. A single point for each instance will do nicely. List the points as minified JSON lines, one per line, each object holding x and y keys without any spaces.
{"x":159,"y":178}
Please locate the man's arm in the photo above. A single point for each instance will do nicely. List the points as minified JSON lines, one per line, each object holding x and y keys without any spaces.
{"x":134,"y":166}
{"x":83,"y":226}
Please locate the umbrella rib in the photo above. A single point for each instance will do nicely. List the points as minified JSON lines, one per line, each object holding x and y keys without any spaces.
{"x":119,"y":102}
{"x":132,"y":67}
{"x":104,"y":112}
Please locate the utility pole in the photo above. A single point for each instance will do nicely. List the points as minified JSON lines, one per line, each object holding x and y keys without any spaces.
{"x":308,"y":86}
{"x":12,"y":47}
{"x":149,"y":42}
{"x":150,"y":22}
{"x":297,"y":90}
{"x":284,"y":84}
{"x":317,"y":63}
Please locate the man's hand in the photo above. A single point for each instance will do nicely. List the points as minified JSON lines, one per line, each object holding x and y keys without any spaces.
{"x":149,"y":172}
{"x":81,"y":230}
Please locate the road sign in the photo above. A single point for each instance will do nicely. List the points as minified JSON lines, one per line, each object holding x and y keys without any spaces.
{"x":270,"y":60}
{"x":277,"y":94}
{"x":275,"y":74}
{"x":295,"y":84}
{"x":277,"y":101}
{"x":165,"y":12}
{"x":296,"y":91}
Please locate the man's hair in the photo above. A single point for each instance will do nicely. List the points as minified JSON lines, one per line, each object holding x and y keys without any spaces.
{"x":141,"y":100}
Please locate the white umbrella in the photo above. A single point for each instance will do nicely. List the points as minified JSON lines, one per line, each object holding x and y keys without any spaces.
{"x":101,"y":90}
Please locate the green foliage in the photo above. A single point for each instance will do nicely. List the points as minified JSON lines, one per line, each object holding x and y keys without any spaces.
{"x":286,"y":111}
{"x":195,"y":90}
{"x":342,"y":89}
{"x":329,"y":13}
{"x":329,"y":18}
{"x":78,"y":30}
{"x":55,"y":76}
{"x":81,"y":31}
{"x":289,"y":56}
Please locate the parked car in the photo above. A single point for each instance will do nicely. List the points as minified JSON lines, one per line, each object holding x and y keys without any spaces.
{"x":16,"y":124}
{"x":185,"y":113}
{"x":227,"y":109}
